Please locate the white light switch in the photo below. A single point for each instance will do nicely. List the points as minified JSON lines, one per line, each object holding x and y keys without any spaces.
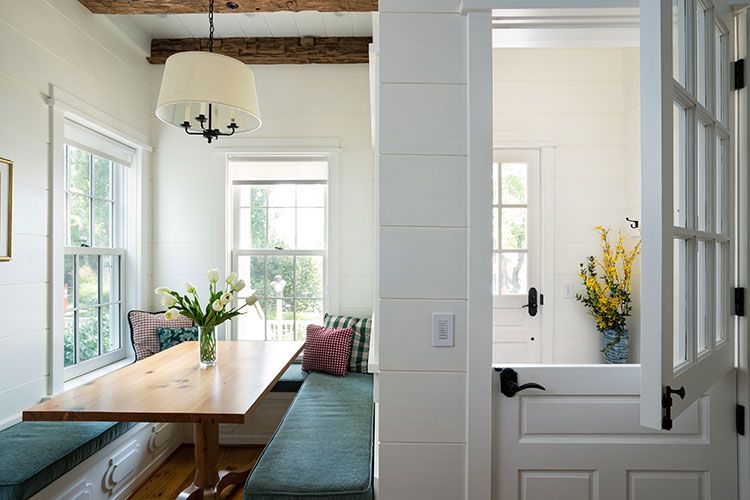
{"x":442,"y":330}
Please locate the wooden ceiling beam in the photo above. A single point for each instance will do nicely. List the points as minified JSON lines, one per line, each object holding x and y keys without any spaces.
{"x":268,"y":50}
{"x":201,"y":6}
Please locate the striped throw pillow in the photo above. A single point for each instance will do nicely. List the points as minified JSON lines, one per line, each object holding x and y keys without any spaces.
{"x":362,"y":328}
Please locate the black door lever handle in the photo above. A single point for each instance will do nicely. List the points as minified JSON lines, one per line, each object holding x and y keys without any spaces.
{"x":509,"y":385}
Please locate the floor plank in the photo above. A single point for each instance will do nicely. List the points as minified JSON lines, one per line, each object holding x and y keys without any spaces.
{"x":176,"y":473}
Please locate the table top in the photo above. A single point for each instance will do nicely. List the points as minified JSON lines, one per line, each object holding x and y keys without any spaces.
{"x":171,"y":387}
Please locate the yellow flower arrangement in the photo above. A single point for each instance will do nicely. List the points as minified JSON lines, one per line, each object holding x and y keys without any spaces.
{"x":608,"y":282}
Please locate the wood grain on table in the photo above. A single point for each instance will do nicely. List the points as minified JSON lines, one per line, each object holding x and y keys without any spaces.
{"x":171,"y":387}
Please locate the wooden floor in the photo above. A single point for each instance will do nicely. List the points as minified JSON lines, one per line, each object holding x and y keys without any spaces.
{"x":176,"y":473}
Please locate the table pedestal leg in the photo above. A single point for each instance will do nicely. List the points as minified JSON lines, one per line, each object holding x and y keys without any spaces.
{"x":208,"y":481}
{"x":206,"y":463}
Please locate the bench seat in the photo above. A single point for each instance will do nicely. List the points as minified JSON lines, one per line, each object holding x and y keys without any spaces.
{"x":34,"y":454}
{"x":291,"y":380}
{"x":323,"y":447}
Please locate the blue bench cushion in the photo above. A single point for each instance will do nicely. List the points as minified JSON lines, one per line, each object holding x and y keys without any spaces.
{"x":34,"y":454}
{"x":323,"y":447}
{"x":291,"y":380}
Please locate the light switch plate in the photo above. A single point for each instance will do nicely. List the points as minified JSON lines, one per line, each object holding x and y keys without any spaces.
{"x":442,"y":329}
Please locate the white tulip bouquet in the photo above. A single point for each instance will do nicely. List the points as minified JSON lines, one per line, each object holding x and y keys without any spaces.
{"x":207,"y":317}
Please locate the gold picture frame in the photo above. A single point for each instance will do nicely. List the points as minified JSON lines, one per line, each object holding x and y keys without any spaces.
{"x":6,"y":209}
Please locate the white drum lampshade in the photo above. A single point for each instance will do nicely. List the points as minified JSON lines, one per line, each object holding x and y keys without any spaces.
{"x":194,"y":80}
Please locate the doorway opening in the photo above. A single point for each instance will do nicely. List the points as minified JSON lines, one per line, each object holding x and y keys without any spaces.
{"x":566,"y":138}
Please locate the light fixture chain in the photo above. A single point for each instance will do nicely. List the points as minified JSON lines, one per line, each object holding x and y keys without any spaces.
{"x":211,"y":25}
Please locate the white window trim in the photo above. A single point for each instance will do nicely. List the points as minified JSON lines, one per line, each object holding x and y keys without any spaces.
{"x":328,"y":148}
{"x":65,"y":106}
{"x":545,"y":144}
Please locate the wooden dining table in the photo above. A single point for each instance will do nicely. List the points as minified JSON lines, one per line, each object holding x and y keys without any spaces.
{"x":171,"y":387}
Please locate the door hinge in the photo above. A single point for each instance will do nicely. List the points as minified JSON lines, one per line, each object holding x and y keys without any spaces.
{"x":739,"y":301}
{"x":740,"y":419}
{"x":739,"y":74}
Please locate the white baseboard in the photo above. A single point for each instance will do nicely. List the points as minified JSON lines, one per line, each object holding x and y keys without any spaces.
{"x":118,"y":469}
{"x":260,"y":425}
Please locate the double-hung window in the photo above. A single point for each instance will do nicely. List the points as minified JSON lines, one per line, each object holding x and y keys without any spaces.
{"x":94,"y":249}
{"x":280,"y":243}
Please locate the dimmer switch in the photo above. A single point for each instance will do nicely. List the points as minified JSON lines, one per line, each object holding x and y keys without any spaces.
{"x":442,"y":330}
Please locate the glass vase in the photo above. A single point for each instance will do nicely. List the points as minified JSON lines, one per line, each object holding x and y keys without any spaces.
{"x":207,"y":346}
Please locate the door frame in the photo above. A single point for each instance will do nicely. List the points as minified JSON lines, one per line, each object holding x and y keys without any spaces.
{"x":479,"y":105}
{"x":545,"y":144}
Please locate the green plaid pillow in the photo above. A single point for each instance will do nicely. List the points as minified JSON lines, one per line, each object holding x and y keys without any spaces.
{"x":360,"y":341}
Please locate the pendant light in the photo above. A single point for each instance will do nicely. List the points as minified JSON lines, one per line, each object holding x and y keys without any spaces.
{"x":208,"y":94}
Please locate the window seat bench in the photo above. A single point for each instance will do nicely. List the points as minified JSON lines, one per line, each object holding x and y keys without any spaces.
{"x":323,"y":448}
{"x":34,"y":454}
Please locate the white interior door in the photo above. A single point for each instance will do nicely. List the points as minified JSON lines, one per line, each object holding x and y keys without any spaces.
{"x":581,"y":439}
{"x":688,"y":204}
{"x":516,"y":282}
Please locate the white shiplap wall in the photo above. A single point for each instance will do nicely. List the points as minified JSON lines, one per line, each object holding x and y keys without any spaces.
{"x":43,"y":42}
{"x":424,"y":221}
{"x":189,"y":186}
{"x":586,"y":101}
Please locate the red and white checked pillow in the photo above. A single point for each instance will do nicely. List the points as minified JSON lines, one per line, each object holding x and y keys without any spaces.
{"x":143,"y":327}
{"x":327,"y":350}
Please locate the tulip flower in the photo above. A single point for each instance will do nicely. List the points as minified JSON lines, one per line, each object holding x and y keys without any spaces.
{"x":171,"y":314}
{"x":213,"y":275}
{"x":168,"y":300}
{"x":190,"y":287}
{"x":238,"y":285}
{"x":231,"y":278}
{"x":217,"y":305}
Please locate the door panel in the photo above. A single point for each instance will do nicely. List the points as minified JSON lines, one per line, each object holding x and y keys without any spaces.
{"x":581,"y":439}
{"x":688,"y":204}
{"x":517,"y":254}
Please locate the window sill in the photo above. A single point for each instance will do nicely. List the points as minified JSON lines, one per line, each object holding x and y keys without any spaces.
{"x":93,"y":375}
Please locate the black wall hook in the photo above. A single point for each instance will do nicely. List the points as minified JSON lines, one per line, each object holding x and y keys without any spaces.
{"x":633,"y":223}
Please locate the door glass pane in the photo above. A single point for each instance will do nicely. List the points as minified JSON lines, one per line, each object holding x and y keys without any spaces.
{"x":679,"y":41}
{"x":88,"y":333}
{"x":309,"y":276}
{"x":680,"y":164}
{"x":702,"y":68}
{"x":69,"y":339}
{"x":513,"y":229}
{"x":311,"y":228}
{"x":88,"y":280}
{"x":720,"y":185}
{"x":703,"y":286}
{"x":79,"y":220}
{"x":514,"y":273}
{"x":680,"y":301}
{"x":719,"y":66}
{"x":704,"y":184}
{"x":720,"y":301}
{"x":281,"y":228}
{"x":514,"y":183}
